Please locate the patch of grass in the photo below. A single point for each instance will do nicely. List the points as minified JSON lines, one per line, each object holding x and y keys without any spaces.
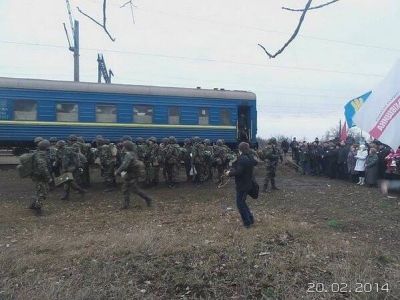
{"x":336,"y":224}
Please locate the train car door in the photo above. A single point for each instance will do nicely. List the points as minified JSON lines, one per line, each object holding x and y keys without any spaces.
{"x":243,"y":123}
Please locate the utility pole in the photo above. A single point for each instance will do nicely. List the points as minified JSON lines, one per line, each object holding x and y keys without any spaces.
{"x":75,"y":35}
{"x":102,"y":70}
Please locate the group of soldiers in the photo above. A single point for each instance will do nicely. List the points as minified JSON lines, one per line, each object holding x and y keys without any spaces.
{"x":69,"y":162}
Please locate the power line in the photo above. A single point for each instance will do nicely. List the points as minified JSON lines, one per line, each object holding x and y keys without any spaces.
{"x":211,"y":60}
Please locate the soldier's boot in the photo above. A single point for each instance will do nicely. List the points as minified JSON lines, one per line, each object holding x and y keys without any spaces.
{"x":125,"y":203}
{"x":149,"y":201}
{"x":65,"y":196}
{"x":273,"y":186}
{"x":33,"y":204}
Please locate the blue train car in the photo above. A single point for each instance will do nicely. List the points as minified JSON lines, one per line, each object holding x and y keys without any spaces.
{"x":30,"y":107}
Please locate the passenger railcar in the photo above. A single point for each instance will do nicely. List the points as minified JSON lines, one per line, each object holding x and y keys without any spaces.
{"x":31,"y":107}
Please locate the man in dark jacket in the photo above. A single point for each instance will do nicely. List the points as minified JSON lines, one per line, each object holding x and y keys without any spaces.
{"x":343,"y":152}
{"x":243,"y":172}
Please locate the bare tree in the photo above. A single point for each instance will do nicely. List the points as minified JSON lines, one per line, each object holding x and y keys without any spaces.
{"x":103,"y":24}
{"x":297,"y":29}
{"x":131,"y":5}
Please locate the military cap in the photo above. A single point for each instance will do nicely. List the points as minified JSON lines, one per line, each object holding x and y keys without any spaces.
{"x":53,"y":139}
{"x":38,"y":139}
{"x":44,"y":145}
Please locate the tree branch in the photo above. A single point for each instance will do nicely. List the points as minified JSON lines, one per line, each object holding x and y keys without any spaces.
{"x":131,"y":5}
{"x":313,"y":7}
{"x":296,"y":31}
{"x":102,"y":25}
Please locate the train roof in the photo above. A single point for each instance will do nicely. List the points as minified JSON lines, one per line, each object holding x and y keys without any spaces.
{"x":90,"y":87}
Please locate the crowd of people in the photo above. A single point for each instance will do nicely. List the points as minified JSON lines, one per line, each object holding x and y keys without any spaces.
{"x":363,"y":163}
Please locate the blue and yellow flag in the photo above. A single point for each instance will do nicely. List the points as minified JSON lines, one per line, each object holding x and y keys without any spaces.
{"x":354,"y":106}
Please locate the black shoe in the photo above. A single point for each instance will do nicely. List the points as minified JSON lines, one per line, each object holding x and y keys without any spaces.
{"x":274,"y":188}
{"x":149,"y":202}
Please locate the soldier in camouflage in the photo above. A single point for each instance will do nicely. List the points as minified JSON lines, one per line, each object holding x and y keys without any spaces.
{"x":85,"y":150}
{"x":198,"y":160}
{"x":152,"y":162}
{"x":163,"y":148}
{"x":220,"y":158}
{"x":271,"y":155}
{"x":53,"y":157}
{"x":208,"y":157}
{"x":172,"y":161}
{"x":107,"y":154}
{"x":40,"y":175}
{"x":187,"y":145}
{"x":129,"y":174}
{"x":69,"y":164}
{"x":141,"y":148}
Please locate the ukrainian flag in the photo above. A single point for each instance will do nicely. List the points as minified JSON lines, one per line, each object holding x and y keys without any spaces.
{"x":354,"y":106}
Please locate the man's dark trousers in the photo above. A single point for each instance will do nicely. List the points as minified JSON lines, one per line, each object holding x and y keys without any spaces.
{"x":245,"y":213}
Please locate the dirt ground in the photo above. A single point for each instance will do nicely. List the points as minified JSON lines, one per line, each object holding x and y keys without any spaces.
{"x":314,"y":239}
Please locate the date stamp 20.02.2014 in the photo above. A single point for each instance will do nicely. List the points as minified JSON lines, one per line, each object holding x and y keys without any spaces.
{"x":345,"y":287}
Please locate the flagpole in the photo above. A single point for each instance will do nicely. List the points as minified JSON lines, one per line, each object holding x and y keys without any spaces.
{"x":340,"y":129}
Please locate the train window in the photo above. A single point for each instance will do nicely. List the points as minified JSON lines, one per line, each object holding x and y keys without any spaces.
{"x":106,"y":113}
{"x":67,"y":112}
{"x":173,"y":115}
{"x":143,"y":114}
{"x":225,"y":117}
{"x":25,"y":110}
{"x":203,"y":116}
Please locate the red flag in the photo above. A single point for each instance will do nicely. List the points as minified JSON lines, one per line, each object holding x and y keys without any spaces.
{"x":344,"y":133}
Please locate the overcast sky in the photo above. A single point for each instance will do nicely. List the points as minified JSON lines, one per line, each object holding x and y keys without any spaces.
{"x":343,"y":50}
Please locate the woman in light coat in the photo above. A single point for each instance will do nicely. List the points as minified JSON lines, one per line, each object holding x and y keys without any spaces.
{"x":361,"y":157}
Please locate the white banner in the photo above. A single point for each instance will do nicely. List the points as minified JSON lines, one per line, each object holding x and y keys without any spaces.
{"x":379,"y":116}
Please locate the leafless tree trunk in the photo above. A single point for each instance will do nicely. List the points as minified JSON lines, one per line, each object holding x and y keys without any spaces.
{"x":297,"y":29}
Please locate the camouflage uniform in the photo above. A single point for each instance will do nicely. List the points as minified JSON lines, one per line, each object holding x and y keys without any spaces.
{"x":220,"y":158}
{"x":163,"y":148}
{"x":85,"y":150}
{"x":199,"y":162}
{"x":152,"y":162}
{"x":172,"y":161}
{"x":130,"y":178}
{"x":208,"y":157}
{"x":40,"y":174}
{"x":55,"y":171}
{"x":186,"y":157}
{"x":70,"y":162}
{"x":108,"y":157}
{"x":141,"y":149}
{"x":271,"y":154}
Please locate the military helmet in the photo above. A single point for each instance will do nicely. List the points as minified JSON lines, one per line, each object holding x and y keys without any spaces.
{"x":128,"y":145}
{"x":53,"y":139}
{"x":153,"y":139}
{"x":126,"y":138}
{"x":38,"y":139}
{"x":72,"y":138}
{"x":207,"y":141}
{"x":139,"y":140}
{"x":164,"y":140}
{"x":80,"y":139}
{"x":196,"y":139}
{"x":172,"y":140}
{"x":219,"y":142}
{"x":60,"y":144}
{"x":187,"y":141}
{"x":44,"y":145}
{"x":272,"y":141}
{"x":99,"y":137}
